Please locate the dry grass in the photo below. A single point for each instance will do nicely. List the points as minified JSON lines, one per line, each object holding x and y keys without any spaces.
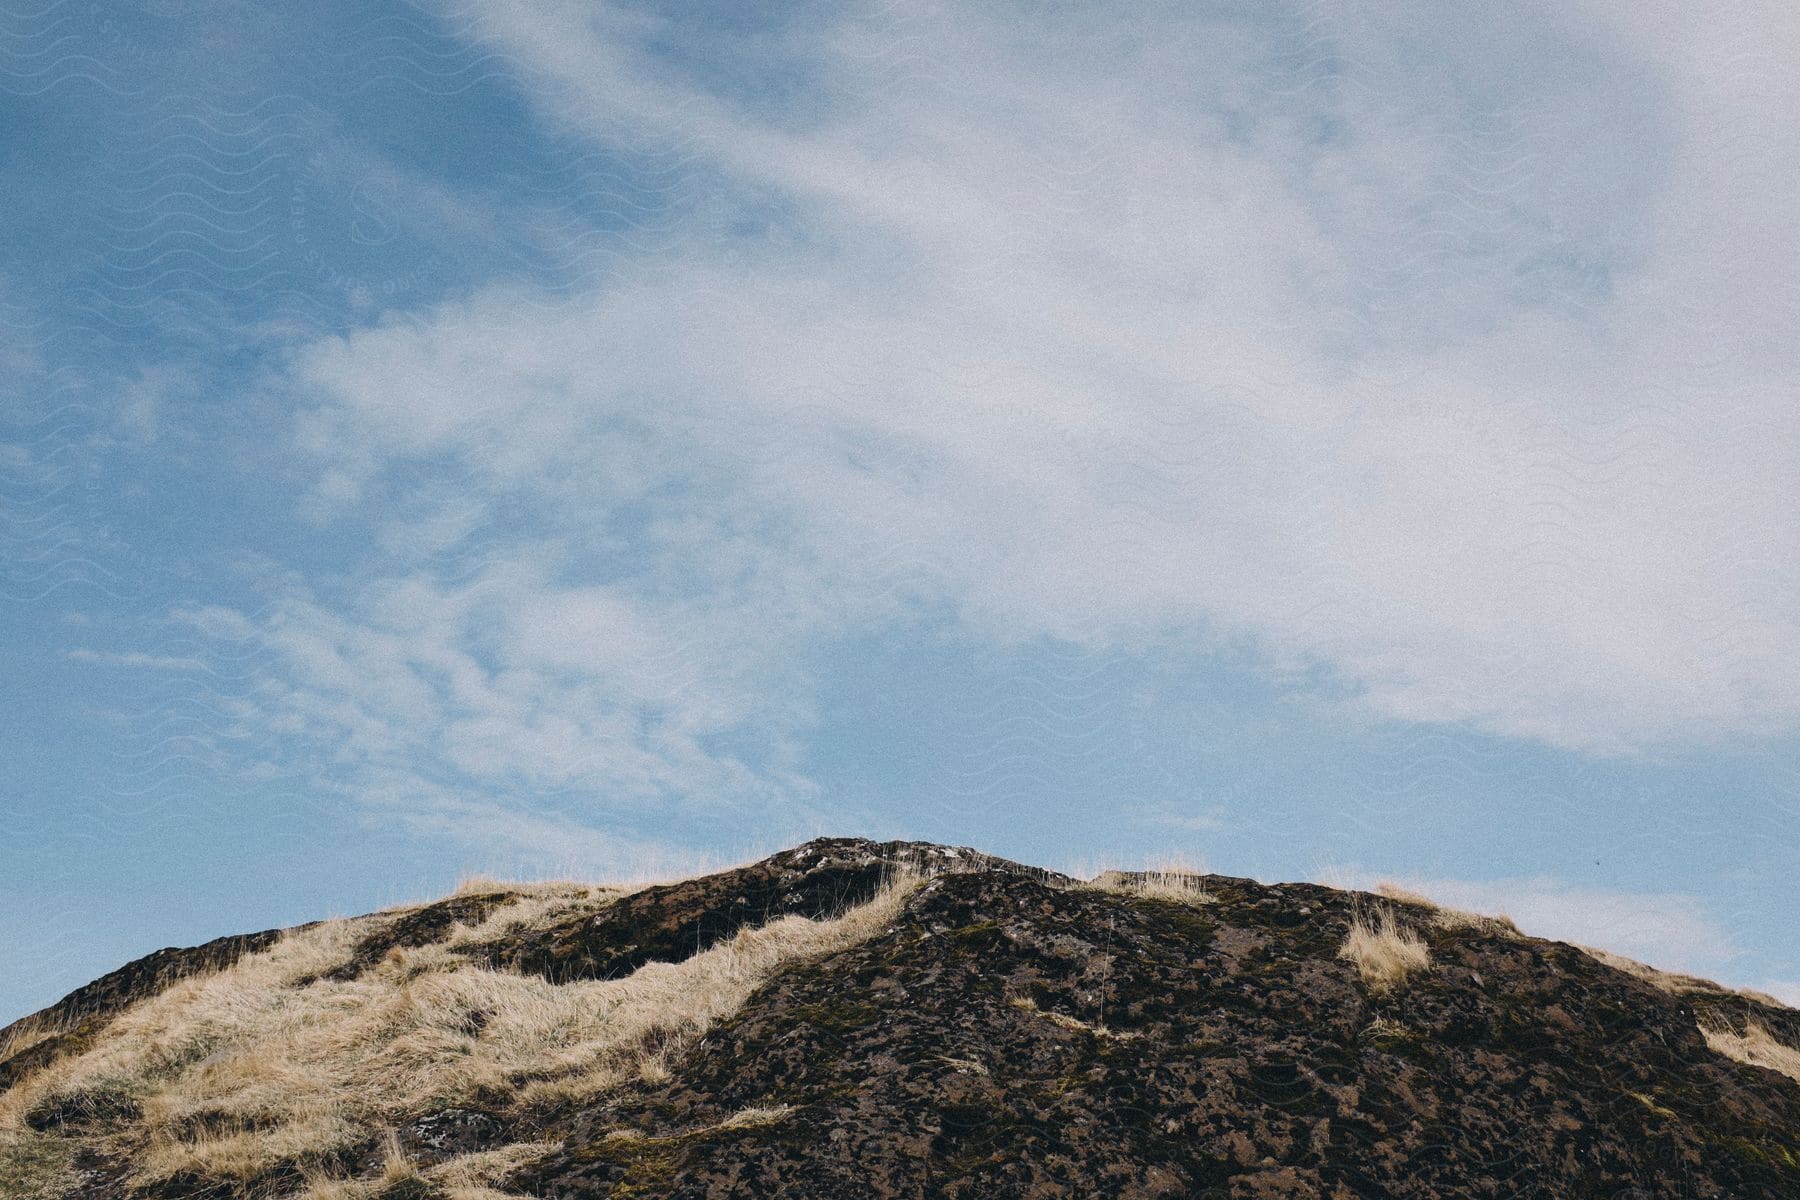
{"x":757,"y":1116}
{"x":1669,"y":981}
{"x":1160,"y":883}
{"x":1445,"y":917}
{"x":269,"y":1063}
{"x":1065,"y":1021}
{"x":396,"y":1167}
{"x":1384,"y":953}
{"x":1384,"y":1027}
{"x":467,"y":1177}
{"x":488,"y":885}
{"x":1754,"y":1045}
{"x":25,"y":1034}
{"x":1672,"y":982}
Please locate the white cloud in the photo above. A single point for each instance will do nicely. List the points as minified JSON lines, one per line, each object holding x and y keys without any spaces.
{"x":1319,"y":334}
{"x":138,"y":659}
{"x":515,"y":685}
{"x":518,"y":842}
{"x":1084,"y":358}
{"x":144,"y":400}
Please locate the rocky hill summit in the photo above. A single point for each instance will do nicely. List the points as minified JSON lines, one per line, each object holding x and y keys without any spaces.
{"x":854,"y":1019}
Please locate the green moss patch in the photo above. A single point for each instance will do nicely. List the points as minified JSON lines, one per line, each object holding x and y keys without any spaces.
{"x":36,"y":1166}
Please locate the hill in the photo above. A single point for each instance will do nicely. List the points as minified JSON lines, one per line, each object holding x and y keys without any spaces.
{"x":853,"y":1019}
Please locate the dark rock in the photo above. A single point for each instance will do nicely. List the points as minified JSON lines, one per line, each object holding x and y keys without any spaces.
{"x":1013,"y":1039}
{"x":452,"y":1131}
{"x":672,"y":922}
{"x":79,"y":1109}
{"x":419,"y":927}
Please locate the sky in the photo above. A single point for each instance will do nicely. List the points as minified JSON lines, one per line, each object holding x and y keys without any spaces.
{"x":1340,"y":442}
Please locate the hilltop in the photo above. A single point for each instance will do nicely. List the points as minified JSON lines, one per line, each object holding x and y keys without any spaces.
{"x":859,"y":1019}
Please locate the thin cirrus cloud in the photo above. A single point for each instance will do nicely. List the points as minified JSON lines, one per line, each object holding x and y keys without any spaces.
{"x":1457,"y":385}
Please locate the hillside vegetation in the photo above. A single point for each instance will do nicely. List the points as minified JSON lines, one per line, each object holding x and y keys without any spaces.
{"x":901,"y":1019}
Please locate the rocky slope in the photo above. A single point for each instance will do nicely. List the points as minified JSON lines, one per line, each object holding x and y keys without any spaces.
{"x":995,"y":1031}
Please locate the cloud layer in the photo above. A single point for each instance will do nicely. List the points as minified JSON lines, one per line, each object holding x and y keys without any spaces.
{"x":1461,"y":389}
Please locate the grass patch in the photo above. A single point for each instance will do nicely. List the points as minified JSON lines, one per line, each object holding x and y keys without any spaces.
{"x":1073,"y":1024}
{"x":1754,"y":1045}
{"x":1445,"y":917}
{"x":1674,"y":982}
{"x":1162,"y":883}
{"x":1384,"y":953}
{"x":466,"y":1177}
{"x":35,"y":1166}
{"x":271,"y":1064}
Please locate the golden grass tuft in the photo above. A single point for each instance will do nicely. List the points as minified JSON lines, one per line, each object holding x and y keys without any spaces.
{"x":1161,"y":883}
{"x":1384,"y":953}
{"x":23,"y":1035}
{"x":1754,"y":1045}
{"x":488,"y":885}
{"x":1672,"y":982}
{"x":396,"y":1167}
{"x":1065,"y":1021}
{"x":757,"y":1116}
{"x":1445,"y":917}
{"x":466,"y":1177}
{"x":269,"y":1062}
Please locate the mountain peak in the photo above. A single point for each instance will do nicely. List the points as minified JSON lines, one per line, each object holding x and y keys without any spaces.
{"x":901,"y":1019}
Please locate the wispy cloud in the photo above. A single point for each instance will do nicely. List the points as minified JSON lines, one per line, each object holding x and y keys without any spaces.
{"x":1306,"y":330}
{"x":151,"y":662}
{"x":514,"y":684}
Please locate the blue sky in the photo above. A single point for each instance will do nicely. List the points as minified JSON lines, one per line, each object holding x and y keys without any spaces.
{"x":1334,"y":443}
